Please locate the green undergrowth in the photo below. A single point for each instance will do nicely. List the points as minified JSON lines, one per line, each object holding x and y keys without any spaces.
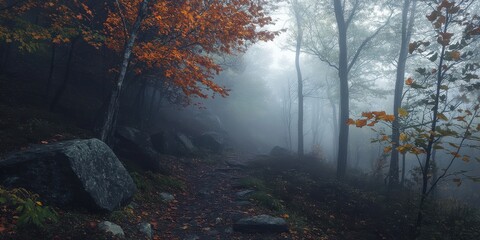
{"x":357,"y":208}
{"x":151,"y":184}
{"x":25,"y":209}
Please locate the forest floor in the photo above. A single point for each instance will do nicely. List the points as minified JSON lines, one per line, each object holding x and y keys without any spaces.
{"x":206,"y":200}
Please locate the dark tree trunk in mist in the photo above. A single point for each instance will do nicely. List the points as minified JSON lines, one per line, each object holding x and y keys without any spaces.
{"x":344,"y":67}
{"x":287,"y":114}
{"x":66,"y":78}
{"x":407,"y":25}
{"x":402,"y":181}
{"x":109,"y":124}
{"x":50,"y":70}
{"x":5,"y":56}
{"x":344,"y":98}
{"x":335,"y":125}
{"x":299,"y":77}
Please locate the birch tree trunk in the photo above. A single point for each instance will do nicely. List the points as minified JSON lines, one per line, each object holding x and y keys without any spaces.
{"x":109,"y":124}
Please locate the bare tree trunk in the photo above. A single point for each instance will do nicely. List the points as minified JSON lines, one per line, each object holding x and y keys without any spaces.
{"x":50,"y":70}
{"x":344,"y":98}
{"x":5,"y":57}
{"x":59,"y":93}
{"x":287,"y":115}
{"x":402,"y":182}
{"x":431,"y":139}
{"x":109,"y":123}
{"x":335,"y":125}
{"x":408,"y":6}
{"x":300,"y":149}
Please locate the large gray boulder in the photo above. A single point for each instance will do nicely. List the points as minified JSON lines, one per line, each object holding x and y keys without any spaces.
{"x":261,"y":223}
{"x":72,"y":174}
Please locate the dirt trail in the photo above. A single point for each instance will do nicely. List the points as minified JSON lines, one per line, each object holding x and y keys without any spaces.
{"x":209,"y":206}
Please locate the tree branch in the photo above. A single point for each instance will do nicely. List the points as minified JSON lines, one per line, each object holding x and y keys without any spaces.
{"x":124,"y":21}
{"x":364,"y":43}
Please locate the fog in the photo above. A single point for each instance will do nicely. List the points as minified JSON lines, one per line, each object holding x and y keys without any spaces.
{"x":261,"y":109}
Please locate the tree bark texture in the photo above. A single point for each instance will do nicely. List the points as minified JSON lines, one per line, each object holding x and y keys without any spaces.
{"x":408,"y":6}
{"x":109,"y":124}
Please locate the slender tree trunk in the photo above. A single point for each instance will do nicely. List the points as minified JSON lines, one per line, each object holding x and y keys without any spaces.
{"x":335,"y":125}
{"x":299,"y":79}
{"x":5,"y":57}
{"x":434,"y":172}
{"x":431,"y":139}
{"x":402,"y":182}
{"x":109,"y":123}
{"x":66,"y":78}
{"x":51,"y":70}
{"x":344,"y":98}
{"x":393,"y":180}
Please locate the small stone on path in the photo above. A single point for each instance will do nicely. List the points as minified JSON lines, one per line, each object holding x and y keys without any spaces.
{"x":244,"y":193}
{"x":146,"y":228}
{"x":167,"y":197}
{"x":110,"y":227}
{"x":261,"y":223}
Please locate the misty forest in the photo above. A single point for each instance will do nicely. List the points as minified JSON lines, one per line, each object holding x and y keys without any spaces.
{"x":240,"y":119}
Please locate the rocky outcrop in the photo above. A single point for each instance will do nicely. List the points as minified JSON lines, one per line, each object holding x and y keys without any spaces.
{"x":75,"y":173}
{"x":136,"y":146}
{"x":212,"y":141}
{"x":278,"y":151}
{"x":261,"y":223}
{"x":172,"y":143}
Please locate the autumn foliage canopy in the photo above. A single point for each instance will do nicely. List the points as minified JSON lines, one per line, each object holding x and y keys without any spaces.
{"x":183,"y":38}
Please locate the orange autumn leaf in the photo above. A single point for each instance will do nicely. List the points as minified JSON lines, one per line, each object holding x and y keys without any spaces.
{"x":389,"y":118}
{"x":350,"y":122}
{"x":184,"y":35}
{"x":368,"y":115}
{"x":360,"y":123}
{"x":379,"y":113}
{"x":409,"y":81}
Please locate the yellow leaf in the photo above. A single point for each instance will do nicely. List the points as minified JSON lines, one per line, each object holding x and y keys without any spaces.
{"x":455,"y":154}
{"x":402,"y":149}
{"x":402,"y":112}
{"x":442,"y":117}
{"x":403,"y":137}
{"x":387,"y":149}
{"x":455,"y":55}
{"x":39,"y":203}
{"x":417,"y":151}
